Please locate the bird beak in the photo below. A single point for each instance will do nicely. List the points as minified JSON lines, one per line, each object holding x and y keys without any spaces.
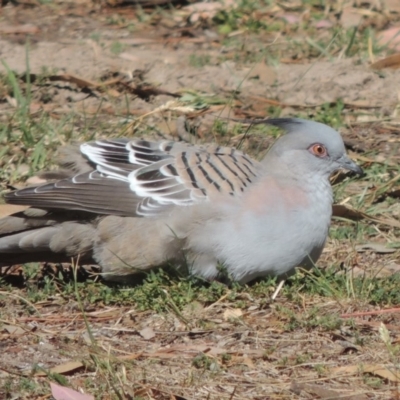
{"x":346,"y":163}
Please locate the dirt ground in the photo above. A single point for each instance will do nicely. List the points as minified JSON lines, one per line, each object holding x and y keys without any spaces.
{"x":105,"y":62}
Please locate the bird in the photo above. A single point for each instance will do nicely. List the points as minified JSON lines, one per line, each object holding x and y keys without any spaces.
{"x":132,"y":205}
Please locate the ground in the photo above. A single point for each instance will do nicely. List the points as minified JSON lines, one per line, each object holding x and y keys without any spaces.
{"x":74,"y":71}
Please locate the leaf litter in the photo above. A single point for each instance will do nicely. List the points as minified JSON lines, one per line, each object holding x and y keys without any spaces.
{"x":113,"y":62}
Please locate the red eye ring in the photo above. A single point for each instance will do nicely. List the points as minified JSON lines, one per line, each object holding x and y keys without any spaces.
{"x":318,"y":150}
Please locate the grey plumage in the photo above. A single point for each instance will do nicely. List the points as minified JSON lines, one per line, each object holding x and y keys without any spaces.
{"x":133,"y":205}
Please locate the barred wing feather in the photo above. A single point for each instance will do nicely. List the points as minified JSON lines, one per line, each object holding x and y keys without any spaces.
{"x":144,"y":178}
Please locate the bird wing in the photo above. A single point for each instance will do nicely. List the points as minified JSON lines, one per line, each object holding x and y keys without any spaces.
{"x":144,"y":178}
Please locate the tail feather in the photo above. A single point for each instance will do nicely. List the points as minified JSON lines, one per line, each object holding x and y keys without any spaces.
{"x":48,"y":235}
{"x":24,"y":238}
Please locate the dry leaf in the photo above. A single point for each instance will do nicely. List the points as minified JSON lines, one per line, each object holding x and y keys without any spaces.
{"x":80,"y":82}
{"x":392,"y":61}
{"x":379,"y":370}
{"x":113,"y":93}
{"x":9,"y":209}
{"x":383,"y":372}
{"x":64,"y":393}
{"x":263,"y":73}
{"x":190,"y":350}
{"x":291,"y":19}
{"x":62,"y":369}
{"x":350,"y":17}
{"x":147,"y":333}
{"x":323,"y":24}
{"x":375,"y":247}
{"x":323,"y":393}
{"x":232,"y":314}
{"x":247,"y":361}
{"x":392,"y":268}
{"x":25,"y":29}
{"x":35,"y":180}
{"x":342,"y":211}
{"x":14,"y":329}
{"x":390,"y":38}
{"x":345,"y":211}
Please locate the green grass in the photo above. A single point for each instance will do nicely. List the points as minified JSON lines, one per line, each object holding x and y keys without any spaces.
{"x":117,"y":47}
{"x":199,"y":60}
{"x":165,"y":292}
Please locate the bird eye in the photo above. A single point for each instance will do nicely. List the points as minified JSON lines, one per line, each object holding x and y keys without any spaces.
{"x":318,"y":150}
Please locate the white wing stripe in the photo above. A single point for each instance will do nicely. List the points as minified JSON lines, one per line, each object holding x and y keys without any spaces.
{"x":165,"y":174}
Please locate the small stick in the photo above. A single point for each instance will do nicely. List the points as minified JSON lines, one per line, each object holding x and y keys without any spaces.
{"x":278,"y":289}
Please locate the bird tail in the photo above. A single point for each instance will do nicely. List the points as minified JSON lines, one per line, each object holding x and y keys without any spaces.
{"x":36,"y":235}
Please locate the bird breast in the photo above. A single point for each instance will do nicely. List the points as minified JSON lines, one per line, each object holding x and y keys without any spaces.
{"x":276,"y":227}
